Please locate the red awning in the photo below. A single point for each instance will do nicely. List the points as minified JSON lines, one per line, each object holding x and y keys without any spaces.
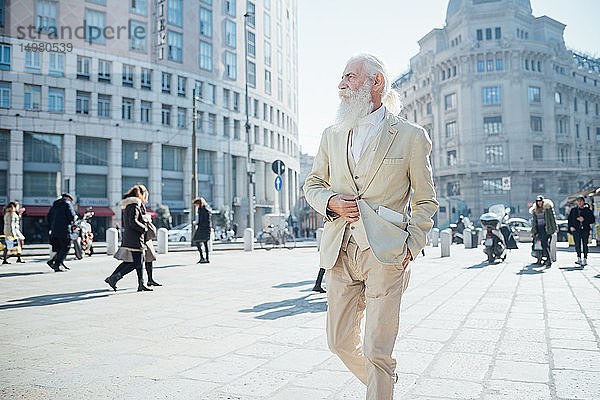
{"x":152,"y":213}
{"x":98,"y":211}
{"x":36,"y":211}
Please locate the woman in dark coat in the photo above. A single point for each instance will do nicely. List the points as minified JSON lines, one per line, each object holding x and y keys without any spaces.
{"x":133,"y":244}
{"x":203,"y":227}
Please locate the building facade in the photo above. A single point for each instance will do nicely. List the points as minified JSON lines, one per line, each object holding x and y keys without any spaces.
{"x":511,"y":111}
{"x":97,"y":96}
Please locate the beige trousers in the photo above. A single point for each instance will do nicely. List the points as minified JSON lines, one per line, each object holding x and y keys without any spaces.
{"x":358,"y":281}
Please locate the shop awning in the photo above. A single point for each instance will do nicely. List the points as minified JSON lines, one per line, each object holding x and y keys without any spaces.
{"x":152,"y":213}
{"x":573,"y":197}
{"x":98,"y":211}
{"x":36,"y":211}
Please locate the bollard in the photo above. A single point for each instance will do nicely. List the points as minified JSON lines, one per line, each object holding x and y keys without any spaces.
{"x":212,"y":239}
{"x":553,"y":241}
{"x":112,"y":241}
{"x":163,"y":241}
{"x":479,"y":236}
{"x":435,"y":237}
{"x":319,"y":235}
{"x":445,"y":241}
{"x":474,"y":238}
{"x":467,"y":239}
{"x":248,"y":239}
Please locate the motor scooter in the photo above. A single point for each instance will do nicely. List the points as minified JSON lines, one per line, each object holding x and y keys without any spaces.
{"x":82,"y":236}
{"x":498,"y":237}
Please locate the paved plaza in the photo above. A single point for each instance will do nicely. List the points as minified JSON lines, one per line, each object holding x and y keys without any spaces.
{"x":247,"y":326}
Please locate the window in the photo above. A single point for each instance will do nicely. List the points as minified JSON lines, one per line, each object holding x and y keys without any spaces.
{"x":534,"y":94}
{"x":56,"y":63}
{"x":146,"y":111}
{"x":453,"y":188}
{"x":206,"y":59}
{"x":577,"y":131}
{"x":492,"y":125}
{"x":428,"y":108}
{"x":5,"y":94}
{"x":498,"y":64}
{"x":91,"y":186}
{"x":267,"y":53}
{"x":230,"y":7}
{"x":127,"y":75}
{"x":267,"y":4}
{"x":490,"y":65}
{"x":166,"y":82}
{"x":251,"y":74}
{"x":212,"y":124}
{"x":91,"y":151}
{"x":104,"y":71}
{"x":480,"y":66}
{"x":598,"y":134}
{"x":492,"y":186}
{"x":32,"y":97}
{"x":575,"y":104}
{"x":451,"y":129}
{"x":279,"y":62}
{"x":173,"y":158}
{"x":33,"y":61}
{"x":128,"y":181}
{"x":209,"y":93}
{"x":230,"y":33}
{"x":134,"y":155}
{"x":56,"y":100}
{"x":586,"y":107}
{"x":127,"y":109}
{"x":46,"y":13}
{"x":236,"y":101}
{"x":279,"y":38}
{"x":181,"y":117}
{"x":267,"y":25}
{"x":40,"y":184}
{"x":146,"y":79}
{"x":166,"y":115}
{"x":172,"y":189}
{"x":175,"y":46}
{"x":479,"y":34}
{"x":137,"y":36}
{"x":536,"y":123}
{"x":488,"y":33}
{"x":139,"y":6}
{"x":451,"y":158}
{"x":538,"y":153}
{"x":104,"y":106}
{"x":5,"y":56}
{"x":42,"y":148}
{"x":561,"y":125}
{"x":256,"y":111}
{"x":226,"y":126}
{"x":205,"y":22}
{"x":236,"y":129}
{"x":557,"y":98}
{"x":491,"y":95}
{"x":279,"y":89}
{"x":251,"y":9}
{"x":494,"y":154}
{"x":231,"y":65}
{"x":95,"y":22}
{"x":498,"y":33}
{"x":538,"y":185}
{"x":251,"y":44}
{"x":83,"y":67}
{"x":450,"y":101}
{"x":175,"y":12}
{"x":181,"y":84}
{"x":200,"y":121}
{"x":588,"y":133}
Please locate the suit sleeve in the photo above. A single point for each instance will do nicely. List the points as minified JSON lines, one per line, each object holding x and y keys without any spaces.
{"x":423,"y":202}
{"x":317,"y":189}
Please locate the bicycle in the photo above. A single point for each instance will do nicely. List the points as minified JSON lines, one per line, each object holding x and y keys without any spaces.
{"x":271,"y":237}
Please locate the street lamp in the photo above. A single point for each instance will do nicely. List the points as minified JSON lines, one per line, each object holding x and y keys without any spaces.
{"x":249,"y":168}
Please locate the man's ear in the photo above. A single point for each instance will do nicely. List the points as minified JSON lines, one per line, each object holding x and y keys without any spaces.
{"x":379,"y":80}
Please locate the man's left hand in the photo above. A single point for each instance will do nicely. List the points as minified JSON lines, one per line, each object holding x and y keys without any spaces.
{"x":580,"y":219}
{"x":407,"y":258}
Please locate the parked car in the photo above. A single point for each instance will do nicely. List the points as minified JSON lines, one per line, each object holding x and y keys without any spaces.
{"x":522,"y":228}
{"x":181,"y":233}
{"x":563,"y":230}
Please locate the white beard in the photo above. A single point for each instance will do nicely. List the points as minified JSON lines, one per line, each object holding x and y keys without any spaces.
{"x":354,"y":104}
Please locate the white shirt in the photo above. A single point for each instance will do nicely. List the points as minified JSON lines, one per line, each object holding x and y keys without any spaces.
{"x":364,"y":131}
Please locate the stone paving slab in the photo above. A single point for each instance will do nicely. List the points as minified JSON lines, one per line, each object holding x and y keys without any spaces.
{"x":248,"y":327}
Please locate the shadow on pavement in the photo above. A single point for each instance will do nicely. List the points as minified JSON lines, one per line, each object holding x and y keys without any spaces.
{"x":530,"y":269}
{"x":579,"y":268}
{"x":480,"y":265}
{"x":287,"y":308}
{"x":51,"y":299}
{"x":10,"y":274}
{"x":293,"y":284}
{"x":571,"y":249}
{"x":169,"y":266}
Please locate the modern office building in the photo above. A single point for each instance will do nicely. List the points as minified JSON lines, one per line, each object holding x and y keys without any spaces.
{"x":96,"y":96}
{"x":512,"y":112}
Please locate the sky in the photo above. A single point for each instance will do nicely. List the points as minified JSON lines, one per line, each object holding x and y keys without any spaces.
{"x":331,"y":31}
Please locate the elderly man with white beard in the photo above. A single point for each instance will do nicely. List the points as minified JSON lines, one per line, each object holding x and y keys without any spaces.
{"x":371,"y":181}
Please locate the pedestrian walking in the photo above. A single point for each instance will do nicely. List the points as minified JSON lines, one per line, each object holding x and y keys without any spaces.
{"x":203,"y":224}
{"x":581,"y":220}
{"x":543,"y":225}
{"x":362,"y":177}
{"x":60,"y":217}
{"x":12,"y":231}
{"x":133,"y":244}
{"x":149,"y":254}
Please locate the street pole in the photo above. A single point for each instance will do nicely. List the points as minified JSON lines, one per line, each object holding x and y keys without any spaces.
{"x":194,"y":165}
{"x":248,"y":160}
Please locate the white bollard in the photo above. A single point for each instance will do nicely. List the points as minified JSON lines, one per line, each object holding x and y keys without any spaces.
{"x":435,"y":237}
{"x":319,"y":235}
{"x":112,"y":241}
{"x":248,"y":239}
{"x":163,"y":241}
{"x":445,"y":241}
{"x":467,"y":239}
{"x":212,"y":239}
{"x":553,"y":249}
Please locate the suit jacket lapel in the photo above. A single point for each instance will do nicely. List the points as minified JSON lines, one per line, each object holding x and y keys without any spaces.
{"x":386,"y":133}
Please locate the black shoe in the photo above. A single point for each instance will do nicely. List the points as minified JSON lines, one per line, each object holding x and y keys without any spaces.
{"x":20,"y":261}
{"x":112,"y":280}
{"x":153,"y":283}
{"x":5,"y":262}
{"x":202,"y":261}
{"x":51,"y":265}
{"x":319,"y":289}
{"x":142,"y":288}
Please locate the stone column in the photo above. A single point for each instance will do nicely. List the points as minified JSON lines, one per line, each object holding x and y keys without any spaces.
{"x":68,"y":164}
{"x":114,"y":179}
{"x":15,"y":166}
{"x":187,"y":181}
{"x":155,"y":179}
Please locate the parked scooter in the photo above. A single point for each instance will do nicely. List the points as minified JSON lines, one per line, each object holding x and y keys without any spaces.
{"x":82,"y":236}
{"x":498,"y":237}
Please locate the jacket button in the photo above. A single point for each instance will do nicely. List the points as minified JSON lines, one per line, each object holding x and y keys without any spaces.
{"x":356,"y":177}
{"x":352,"y":227}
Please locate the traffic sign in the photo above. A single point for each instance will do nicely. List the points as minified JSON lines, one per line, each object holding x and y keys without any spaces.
{"x":278,"y":167}
{"x":278,"y":183}
{"x":506,"y":183}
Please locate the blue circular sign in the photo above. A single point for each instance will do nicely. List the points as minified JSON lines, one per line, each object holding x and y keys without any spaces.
{"x":278,"y":183}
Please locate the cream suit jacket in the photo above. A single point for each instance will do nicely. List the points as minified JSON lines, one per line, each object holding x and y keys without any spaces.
{"x":400,"y":164}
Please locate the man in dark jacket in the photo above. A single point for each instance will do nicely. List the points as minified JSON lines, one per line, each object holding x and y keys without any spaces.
{"x":60,"y":217}
{"x":581,"y":219}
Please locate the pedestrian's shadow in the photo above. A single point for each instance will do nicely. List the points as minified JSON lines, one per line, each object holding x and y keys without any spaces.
{"x":169,"y":266}
{"x":288,"y":308}
{"x":480,"y":265}
{"x":571,"y":268}
{"x":57,"y":298}
{"x":531,"y":270}
{"x":11,"y":274}
{"x":292,"y":284}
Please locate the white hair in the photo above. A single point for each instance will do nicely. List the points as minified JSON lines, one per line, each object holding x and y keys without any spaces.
{"x":354,"y":104}
{"x":374,"y":66}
